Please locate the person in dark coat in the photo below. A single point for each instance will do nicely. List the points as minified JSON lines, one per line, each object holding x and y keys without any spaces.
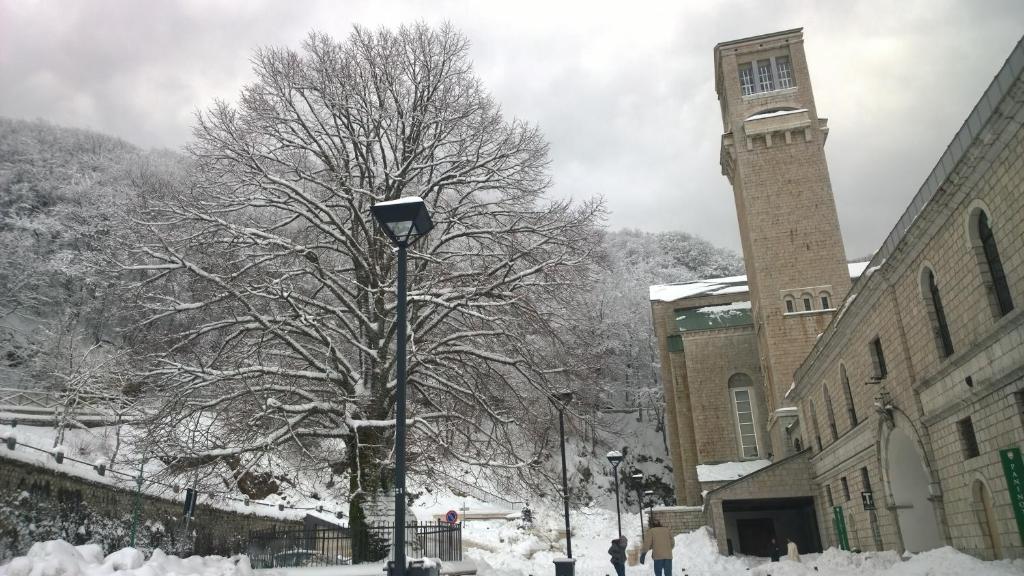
{"x":618,"y":555}
{"x":774,"y":551}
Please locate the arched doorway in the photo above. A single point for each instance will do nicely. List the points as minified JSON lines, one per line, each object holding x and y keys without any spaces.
{"x":908,"y":485}
{"x":986,"y":517}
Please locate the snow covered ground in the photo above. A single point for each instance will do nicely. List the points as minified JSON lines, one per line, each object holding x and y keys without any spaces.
{"x":500,"y":549}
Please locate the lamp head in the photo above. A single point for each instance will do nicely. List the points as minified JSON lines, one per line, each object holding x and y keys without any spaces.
{"x":563,"y":397}
{"x":404,"y":220}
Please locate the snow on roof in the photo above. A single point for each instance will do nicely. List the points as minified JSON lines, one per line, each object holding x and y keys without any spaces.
{"x":776,"y":113}
{"x":728,"y":470}
{"x":719,"y":286}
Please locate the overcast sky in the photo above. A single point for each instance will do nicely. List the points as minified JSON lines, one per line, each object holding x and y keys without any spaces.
{"x":624,"y":91}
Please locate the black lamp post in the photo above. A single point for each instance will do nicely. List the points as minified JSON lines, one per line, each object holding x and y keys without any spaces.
{"x":615,"y":458}
{"x":404,"y":221}
{"x":561,"y":400}
{"x":638,"y":479}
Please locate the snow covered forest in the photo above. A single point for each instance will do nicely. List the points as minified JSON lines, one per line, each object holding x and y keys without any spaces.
{"x":233,"y":304}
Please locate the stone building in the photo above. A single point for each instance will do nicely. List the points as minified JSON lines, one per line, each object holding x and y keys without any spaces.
{"x":875,"y":412}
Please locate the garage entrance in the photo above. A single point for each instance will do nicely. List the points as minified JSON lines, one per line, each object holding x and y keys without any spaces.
{"x":751,"y":525}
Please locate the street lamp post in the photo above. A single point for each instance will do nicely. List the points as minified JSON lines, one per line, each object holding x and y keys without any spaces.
{"x":404,"y":221}
{"x":649,"y":494}
{"x":638,"y":478}
{"x":615,"y":458}
{"x":563,"y":398}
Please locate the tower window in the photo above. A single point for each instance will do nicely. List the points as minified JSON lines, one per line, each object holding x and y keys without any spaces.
{"x":785,"y":72}
{"x":1004,"y":303}
{"x":747,"y":79}
{"x":764,"y":76}
{"x":826,"y":304}
{"x":968,"y":441}
{"x":938,"y":314}
{"x":878,"y":359}
{"x":790,"y":305}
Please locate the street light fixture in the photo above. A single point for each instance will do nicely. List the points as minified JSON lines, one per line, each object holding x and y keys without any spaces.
{"x":638,"y":479}
{"x":404,"y":221}
{"x":615,"y":458}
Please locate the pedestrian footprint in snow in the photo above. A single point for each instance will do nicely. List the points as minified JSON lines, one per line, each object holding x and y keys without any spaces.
{"x":617,"y":551}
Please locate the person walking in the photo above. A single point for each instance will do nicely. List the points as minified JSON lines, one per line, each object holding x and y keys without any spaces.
{"x":773,"y":551}
{"x":618,"y":555}
{"x":658,"y":540}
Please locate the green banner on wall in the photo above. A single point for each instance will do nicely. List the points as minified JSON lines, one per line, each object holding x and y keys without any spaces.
{"x":839,"y":521}
{"x":1013,"y":468}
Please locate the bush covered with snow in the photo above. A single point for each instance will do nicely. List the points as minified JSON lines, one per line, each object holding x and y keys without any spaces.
{"x":59,"y":558}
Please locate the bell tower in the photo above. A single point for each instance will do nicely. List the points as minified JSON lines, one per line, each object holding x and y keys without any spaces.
{"x":773,"y":155}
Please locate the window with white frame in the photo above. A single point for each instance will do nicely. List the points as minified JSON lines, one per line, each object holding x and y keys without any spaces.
{"x":741,"y":388}
{"x":766,"y":75}
{"x":808,"y":305}
{"x":826,"y":302}
{"x":785,"y":72}
{"x":747,"y":79}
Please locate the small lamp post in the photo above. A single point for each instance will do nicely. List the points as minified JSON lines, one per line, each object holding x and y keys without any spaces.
{"x":615,"y":458}
{"x":404,"y":221}
{"x":638,"y":479}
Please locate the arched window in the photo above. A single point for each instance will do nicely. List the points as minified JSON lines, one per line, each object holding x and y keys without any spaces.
{"x":790,"y":304}
{"x":797,"y":445}
{"x":993,"y":264}
{"x":826,"y":300}
{"x":851,"y":411}
{"x":808,"y":302}
{"x":817,"y":430}
{"x":830,"y":413}
{"x":933,"y":300}
{"x":741,"y":390}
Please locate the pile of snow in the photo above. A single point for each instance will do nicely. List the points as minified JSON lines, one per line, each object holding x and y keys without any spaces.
{"x":940,"y":562}
{"x":58,"y":558}
{"x":728,"y":470}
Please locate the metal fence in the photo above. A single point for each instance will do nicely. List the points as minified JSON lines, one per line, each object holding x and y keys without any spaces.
{"x":338,"y":546}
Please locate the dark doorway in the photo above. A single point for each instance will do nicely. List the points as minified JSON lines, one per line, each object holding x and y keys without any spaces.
{"x":756,"y":535}
{"x":751,"y":524}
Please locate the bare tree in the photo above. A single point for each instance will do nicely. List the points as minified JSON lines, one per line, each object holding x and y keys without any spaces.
{"x":277,"y":290}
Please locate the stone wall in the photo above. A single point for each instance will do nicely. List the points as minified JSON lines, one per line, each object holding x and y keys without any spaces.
{"x":679,"y":519}
{"x":26,"y":488}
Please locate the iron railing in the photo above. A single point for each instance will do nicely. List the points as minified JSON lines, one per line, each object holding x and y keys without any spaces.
{"x":273,"y":548}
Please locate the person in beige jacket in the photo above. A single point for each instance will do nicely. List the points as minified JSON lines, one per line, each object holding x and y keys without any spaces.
{"x":659,"y":540}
